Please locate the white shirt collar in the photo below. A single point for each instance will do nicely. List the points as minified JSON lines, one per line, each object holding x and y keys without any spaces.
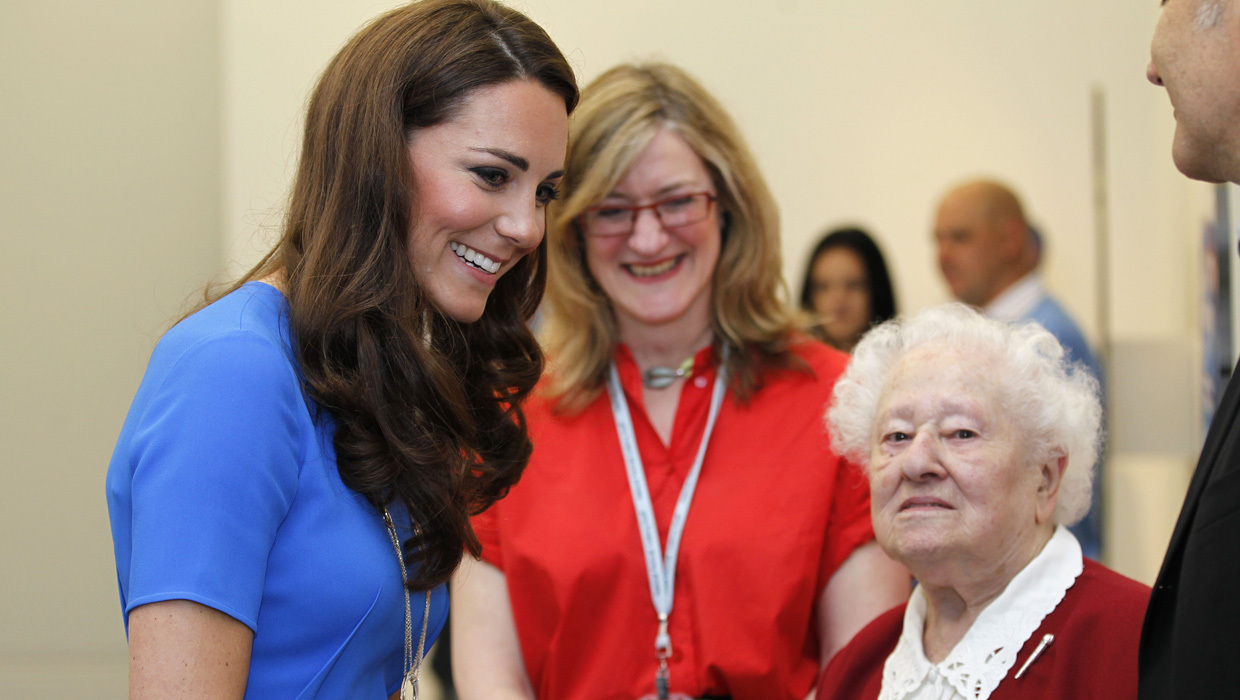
{"x":1017,"y":301}
{"x":988,"y":650}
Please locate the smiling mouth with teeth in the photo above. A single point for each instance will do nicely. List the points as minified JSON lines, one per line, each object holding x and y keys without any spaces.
{"x":653,"y":270}
{"x":474,"y":258}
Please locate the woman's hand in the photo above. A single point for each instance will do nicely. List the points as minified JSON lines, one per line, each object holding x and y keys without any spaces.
{"x":486,"y":653}
{"x":181,"y":649}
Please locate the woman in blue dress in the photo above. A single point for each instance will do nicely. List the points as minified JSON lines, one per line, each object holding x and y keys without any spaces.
{"x":293,"y":483}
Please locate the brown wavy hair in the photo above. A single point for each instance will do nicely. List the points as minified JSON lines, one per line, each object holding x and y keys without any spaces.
{"x":428,"y":410}
{"x":620,"y":113}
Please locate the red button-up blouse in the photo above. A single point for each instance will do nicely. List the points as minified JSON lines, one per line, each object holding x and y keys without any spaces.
{"x":775,"y":514}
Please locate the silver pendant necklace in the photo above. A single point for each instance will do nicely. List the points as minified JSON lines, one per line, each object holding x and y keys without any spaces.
{"x":663,"y":377}
{"x":412,"y":663}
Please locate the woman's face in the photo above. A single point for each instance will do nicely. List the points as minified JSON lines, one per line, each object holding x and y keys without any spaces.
{"x":840,"y":293}
{"x":658,"y":275}
{"x":482,"y":181}
{"x":949,"y":482}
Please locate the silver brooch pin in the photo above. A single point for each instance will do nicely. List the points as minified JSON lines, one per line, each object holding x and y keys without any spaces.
{"x":1037,"y":651}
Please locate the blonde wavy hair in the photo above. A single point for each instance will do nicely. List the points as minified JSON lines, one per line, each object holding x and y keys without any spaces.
{"x":620,"y":113}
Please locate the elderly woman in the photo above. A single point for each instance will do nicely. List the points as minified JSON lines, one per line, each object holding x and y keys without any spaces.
{"x":977,"y":440}
{"x":682,"y":415}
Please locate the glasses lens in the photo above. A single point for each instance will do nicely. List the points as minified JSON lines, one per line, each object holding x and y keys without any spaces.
{"x":609,"y":221}
{"x":685,"y":210}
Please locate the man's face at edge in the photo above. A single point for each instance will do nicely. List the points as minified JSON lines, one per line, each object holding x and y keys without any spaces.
{"x":1195,"y":55}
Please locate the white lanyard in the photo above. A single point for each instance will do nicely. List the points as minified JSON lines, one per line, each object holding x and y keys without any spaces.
{"x":660,"y":570}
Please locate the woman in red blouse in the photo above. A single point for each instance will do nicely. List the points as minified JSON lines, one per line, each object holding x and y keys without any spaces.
{"x":684,"y":529}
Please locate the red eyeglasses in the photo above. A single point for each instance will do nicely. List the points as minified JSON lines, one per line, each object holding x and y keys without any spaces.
{"x":673,"y":212}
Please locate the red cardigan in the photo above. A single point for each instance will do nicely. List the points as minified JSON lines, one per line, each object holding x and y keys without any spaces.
{"x":1096,"y":626}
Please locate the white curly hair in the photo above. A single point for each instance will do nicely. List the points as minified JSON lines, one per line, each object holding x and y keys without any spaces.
{"x":1055,"y":403}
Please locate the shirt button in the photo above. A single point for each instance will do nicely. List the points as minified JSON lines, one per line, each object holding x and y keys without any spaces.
{"x":699,"y":382}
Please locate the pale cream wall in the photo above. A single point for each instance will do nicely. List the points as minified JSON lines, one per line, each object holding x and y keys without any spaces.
{"x":857,"y":112}
{"x":273,"y":50}
{"x":863,"y":112}
{"x":152,"y":142}
{"x":109,"y":218}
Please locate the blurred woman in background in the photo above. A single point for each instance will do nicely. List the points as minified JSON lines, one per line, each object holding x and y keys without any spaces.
{"x":846,"y":287}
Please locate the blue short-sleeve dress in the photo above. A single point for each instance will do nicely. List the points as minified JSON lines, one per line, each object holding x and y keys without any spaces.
{"x":223,"y":490}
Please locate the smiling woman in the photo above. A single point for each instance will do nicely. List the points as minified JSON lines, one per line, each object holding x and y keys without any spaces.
{"x":318,"y":434}
{"x":656,"y":273}
{"x":482,"y":182}
{"x":977,"y":438}
{"x":672,"y":347}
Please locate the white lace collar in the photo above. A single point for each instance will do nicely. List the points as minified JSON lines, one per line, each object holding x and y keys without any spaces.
{"x":988,"y":650}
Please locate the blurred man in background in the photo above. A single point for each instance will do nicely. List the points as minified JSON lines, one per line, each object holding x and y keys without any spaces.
{"x":989,"y":256}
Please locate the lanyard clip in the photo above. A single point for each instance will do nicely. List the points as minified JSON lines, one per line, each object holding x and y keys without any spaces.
{"x":662,"y":640}
{"x":662,"y":651}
